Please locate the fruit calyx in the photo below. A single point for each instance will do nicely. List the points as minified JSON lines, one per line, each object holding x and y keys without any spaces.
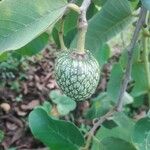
{"x":78,"y":56}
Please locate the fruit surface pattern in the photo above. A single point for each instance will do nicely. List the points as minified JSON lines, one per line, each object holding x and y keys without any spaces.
{"x":77,"y":74}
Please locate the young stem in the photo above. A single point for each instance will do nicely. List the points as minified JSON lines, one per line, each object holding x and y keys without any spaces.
{"x":61,"y":38}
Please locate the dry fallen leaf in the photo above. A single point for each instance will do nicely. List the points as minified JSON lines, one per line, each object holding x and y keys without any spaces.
{"x":30,"y":105}
{"x":11,"y":126}
{"x":5,"y":107}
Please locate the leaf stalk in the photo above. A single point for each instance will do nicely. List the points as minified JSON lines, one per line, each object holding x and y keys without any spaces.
{"x":60,"y":34}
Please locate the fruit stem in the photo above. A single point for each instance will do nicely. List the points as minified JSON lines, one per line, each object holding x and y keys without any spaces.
{"x":146,"y":59}
{"x":82,"y":26}
{"x":81,"y":40}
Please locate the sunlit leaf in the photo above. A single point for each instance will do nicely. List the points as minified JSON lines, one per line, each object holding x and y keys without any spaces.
{"x":23,"y":20}
{"x":56,"y":134}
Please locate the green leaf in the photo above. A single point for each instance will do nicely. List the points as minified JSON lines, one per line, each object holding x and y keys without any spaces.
{"x":122,"y":130}
{"x":119,"y":135}
{"x":141,"y":134}
{"x":112,"y":143}
{"x":70,"y":21}
{"x":138,"y":72}
{"x":100,"y":106}
{"x":56,"y":37}
{"x":115,"y":81}
{"x":114,"y":85}
{"x":138,"y":101}
{"x":55,"y":134}
{"x":139,"y":77}
{"x":22,"y":21}
{"x":30,"y":49}
{"x":92,"y":10}
{"x":99,"y":2}
{"x":64,"y":103}
{"x":146,"y":4}
{"x":136,"y":56}
{"x":70,"y":37}
{"x":46,"y":106}
{"x":102,"y":54}
{"x":134,"y":3}
{"x":33,"y":47}
{"x":4,"y":56}
{"x":114,"y":16}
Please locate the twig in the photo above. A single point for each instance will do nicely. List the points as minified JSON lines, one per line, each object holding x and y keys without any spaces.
{"x":125,"y":81}
{"x":13,"y":119}
{"x":95,"y":127}
{"x":82,"y":26}
{"x":130,"y":57}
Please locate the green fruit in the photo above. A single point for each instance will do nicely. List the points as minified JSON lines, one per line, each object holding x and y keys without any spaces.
{"x":77,"y":74}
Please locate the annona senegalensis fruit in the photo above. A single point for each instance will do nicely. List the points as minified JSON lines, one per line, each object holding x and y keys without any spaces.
{"x":76,"y":74}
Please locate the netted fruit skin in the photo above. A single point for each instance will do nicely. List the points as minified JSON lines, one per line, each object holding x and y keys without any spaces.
{"x":77,"y":75}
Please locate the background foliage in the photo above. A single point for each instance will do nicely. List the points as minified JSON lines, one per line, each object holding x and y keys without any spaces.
{"x":28,"y":27}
